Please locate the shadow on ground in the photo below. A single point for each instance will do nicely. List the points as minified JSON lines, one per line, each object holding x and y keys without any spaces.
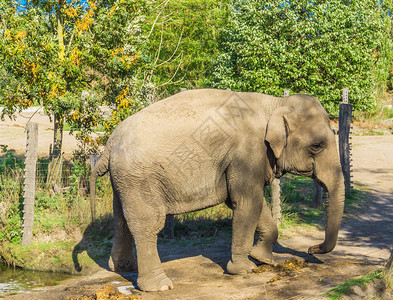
{"x":373,"y":225}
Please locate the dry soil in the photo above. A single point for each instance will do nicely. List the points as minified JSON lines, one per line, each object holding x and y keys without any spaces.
{"x":198,"y":270}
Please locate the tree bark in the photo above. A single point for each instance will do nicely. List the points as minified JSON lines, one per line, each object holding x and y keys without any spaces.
{"x":389,"y":265}
{"x":57,"y":135}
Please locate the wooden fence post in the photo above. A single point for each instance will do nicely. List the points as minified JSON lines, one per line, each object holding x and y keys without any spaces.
{"x":388,"y":270}
{"x":29,"y":183}
{"x":169,"y":228}
{"x":344,"y":128}
{"x":93,"y":160}
{"x":276,"y":200}
{"x":317,"y":195}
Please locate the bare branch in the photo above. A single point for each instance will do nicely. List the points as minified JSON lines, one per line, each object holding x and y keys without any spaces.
{"x":174,"y":52}
{"x":177,"y":69}
{"x":70,"y":42}
{"x":18,"y":4}
{"x":158,"y":50}
{"x":155,"y":21}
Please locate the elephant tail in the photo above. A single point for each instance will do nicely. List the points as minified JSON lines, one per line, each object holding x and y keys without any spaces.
{"x":100,"y":169}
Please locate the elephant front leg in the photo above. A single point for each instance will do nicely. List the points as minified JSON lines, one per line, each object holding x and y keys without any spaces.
{"x":122,"y":258}
{"x":267,"y":231}
{"x":246,"y":212}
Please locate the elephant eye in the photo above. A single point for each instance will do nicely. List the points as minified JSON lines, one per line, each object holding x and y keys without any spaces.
{"x":316,"y":148}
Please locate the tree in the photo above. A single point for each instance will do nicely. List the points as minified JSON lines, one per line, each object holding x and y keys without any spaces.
{"x":41,"y":59}
{"x":389,"y":266}
{"x":183,"y":43}
{"x":313,"y":47}
{"x":71,"y":56}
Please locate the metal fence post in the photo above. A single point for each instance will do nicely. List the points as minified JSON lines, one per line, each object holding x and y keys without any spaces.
{"x":344,"y":125}
{"x":29,"y":183}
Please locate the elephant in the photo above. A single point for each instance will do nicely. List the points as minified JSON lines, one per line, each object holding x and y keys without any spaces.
{"x":200,"y":148}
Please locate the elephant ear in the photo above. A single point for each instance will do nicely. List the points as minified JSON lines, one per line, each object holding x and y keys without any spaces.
{"x":277,"y":130}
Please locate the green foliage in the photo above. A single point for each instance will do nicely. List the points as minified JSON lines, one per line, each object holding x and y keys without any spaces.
{"x":9,"y":161}
{"x":183,"y":42}
{"x":204,"y":223}
{"x":11,"y":176}
{"x":345,"y":289}
{"x":312,"y":47}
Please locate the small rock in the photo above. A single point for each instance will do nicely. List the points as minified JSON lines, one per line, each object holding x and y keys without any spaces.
{"x":357,"y":290}
{"x":125,"y":290}
{"x":380,"y":287}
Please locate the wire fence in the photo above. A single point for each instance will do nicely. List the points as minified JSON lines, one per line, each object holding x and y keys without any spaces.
{"x":55,"y":173}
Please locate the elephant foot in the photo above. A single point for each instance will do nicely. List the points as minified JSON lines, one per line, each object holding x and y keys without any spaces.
{"x":240,"y":267}
{"x":122,"y":265}
{"x":262,"y":254}
{"x":154,"y":283}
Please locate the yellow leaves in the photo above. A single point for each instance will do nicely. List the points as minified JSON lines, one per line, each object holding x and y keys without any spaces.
{"x":75,"y":116}
{"x":85,"y":23}
{"x":115,"y":51}
{"x":8,"y":34}
{"x":76,"y":56}
{"x":31,"y":70}
{"x":20,"y":35}
{"x":22,"y":102}
{"x":112,"y":11}
{"x":92,"y":5}
{"x":129,"y":61}
{"x":54,"y":92}
{"x":71,"y":12}
{"x":88,"y":139}
{"x":122,"y":99}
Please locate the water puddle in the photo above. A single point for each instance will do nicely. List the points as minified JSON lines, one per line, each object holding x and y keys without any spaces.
{"x":17,"y":280}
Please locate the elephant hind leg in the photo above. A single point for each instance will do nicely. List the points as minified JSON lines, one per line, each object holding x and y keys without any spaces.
{"x":145,"y":221}
{"x":122,"y":257}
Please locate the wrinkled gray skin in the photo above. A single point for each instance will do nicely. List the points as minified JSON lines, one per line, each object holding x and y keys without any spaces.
{"x":200,"y":148}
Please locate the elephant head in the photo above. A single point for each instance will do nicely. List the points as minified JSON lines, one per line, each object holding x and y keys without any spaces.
{"x":303,"y":143}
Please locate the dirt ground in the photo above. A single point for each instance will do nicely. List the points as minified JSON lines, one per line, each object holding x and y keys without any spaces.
{"x":12,"y":133}
{"x":198,"y":270}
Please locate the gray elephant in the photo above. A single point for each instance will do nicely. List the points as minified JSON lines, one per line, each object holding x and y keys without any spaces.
{"x":199,"y":148}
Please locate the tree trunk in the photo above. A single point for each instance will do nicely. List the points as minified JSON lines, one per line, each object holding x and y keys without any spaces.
{"x":57,"y":135}
{"x":389,"y":265}
{"x":55,"y":167}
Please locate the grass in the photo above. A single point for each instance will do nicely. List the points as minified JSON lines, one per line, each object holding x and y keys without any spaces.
{"x":61,"y":222}
{"x":345,"y":289}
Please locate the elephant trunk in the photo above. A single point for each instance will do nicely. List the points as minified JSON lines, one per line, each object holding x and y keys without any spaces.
{"x":330,"y":176}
